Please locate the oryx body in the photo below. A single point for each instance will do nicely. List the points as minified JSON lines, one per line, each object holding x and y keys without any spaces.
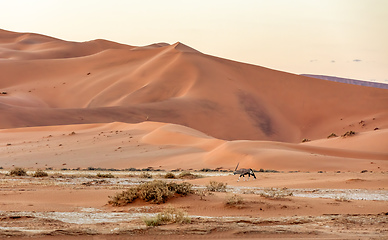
{"x":244,"y":171}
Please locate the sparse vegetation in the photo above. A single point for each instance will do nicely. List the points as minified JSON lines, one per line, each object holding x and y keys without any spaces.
{"x":234,"y":201}
{"x":332,"y":135}
{"x":214,"y":186}
{"x":305,"y":140}
{"x":182,"y":189}
{"x":40,"y":173}
{"x":17,"y":171}
{"x":267,"y":170}
{"x":169,"y":215}
{"x":145,"y":175}
{"x":275,"y":193}
{"x":105,"y":175}
{"x":342,"y":199}
{"x":187,"y":175}
{"x":170,"y":175}
{"x":154,"y":192}
{"x":348,"y":134}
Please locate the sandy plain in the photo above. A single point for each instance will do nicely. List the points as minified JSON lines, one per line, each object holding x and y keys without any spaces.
{"x":68,"y":106}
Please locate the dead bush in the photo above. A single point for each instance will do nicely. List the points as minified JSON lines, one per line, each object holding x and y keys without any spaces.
{"x":154,"y":192}
{"x":214,"y":186}
{"x":169,"y":215}
{"x":348,"y":134}
{"x":187,"y":175}
{"x":105,"y":175}
{"x":275,"y":193}
{"x":145,"y":175}
{"x":234,"y":201}
{"x":40,"y":173}
{"x":17,"y":171}
{"x":169,"y":175}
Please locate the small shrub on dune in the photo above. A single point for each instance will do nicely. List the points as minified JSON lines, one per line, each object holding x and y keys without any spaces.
{"x":154,"y":192}
{"x":124,"y":198}
{"x":169,"y":215}
{"x":106,"y":175}
{"x":40,"y":173}
{"x":187,"y":175}
{"x":145,"y":175}
{"x":169,"y":175}
{"x":273,"y":193}
{"x":214,"y":186}
{"x":17,"y":171}
{"x":234,"y":201}
{"x":182,"y":189}
{"x":348,"y":134}
{"x":332,"y":135}
{"x":305,"y":140}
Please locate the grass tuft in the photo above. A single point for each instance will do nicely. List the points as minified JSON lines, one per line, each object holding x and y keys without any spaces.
{"x":106,"y":175}
{"x":169,"y":215}
{"x":234,"y":201}
{"x":275,"y":193}
{"x":214,"y":186}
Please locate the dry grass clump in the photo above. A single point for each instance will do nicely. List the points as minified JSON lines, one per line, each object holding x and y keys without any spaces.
{"x":214,"y":186}
{"x":40,"y":173}
{"x":234,"y":201}
{"x":17,"y":171}
{"x":169,"y":215}
{"x":305,"y":140}
{"x":145,"y":175}
{"x":154,"y":192}
{"x":187,"y":175}
{"x":105,"y":175}
{"x":348,"y":134}
{"x":274,"y":193}
{"x":332,"y":135}
{"x":170,"y":175}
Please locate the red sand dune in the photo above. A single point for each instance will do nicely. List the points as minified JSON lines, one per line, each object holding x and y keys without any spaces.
{"x":51,"y":82}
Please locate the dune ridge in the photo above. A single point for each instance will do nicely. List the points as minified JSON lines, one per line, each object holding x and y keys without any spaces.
{"x":182,"y":105}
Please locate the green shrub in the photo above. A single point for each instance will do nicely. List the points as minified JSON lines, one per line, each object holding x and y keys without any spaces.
{"x":169,"y":215}
{"x":214,"y":186}
{"x":169,"y":175}
{"x":17,"y":171}
{"x":40,"y":173}
{"x":154,"y":192}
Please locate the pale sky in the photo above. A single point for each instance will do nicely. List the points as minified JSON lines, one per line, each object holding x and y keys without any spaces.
{"x":343,"y":38}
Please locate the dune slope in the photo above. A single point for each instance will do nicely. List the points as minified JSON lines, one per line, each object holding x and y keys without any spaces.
{"x":54,"y":82}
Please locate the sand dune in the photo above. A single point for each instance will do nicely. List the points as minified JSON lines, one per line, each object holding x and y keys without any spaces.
{"x":101,"y":81}
{"x":170,"y":146}
{"x":171,"y":106}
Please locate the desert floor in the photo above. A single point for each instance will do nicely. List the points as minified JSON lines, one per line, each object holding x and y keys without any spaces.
{"x":309,"y":205}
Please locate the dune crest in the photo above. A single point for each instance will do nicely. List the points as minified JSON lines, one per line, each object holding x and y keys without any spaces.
{"x":224,"y":99}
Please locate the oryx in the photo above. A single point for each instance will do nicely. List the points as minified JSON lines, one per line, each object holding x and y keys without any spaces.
{"x":243,"y":172}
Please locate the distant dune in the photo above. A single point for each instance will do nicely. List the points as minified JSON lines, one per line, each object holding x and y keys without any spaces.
{"x":348,"y":80}
{"x":48,"y":83}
